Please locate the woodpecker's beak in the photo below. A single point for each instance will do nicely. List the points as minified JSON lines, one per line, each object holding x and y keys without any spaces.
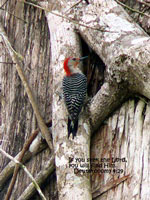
{"x":82,"y":58}
{"x":78,"y":60}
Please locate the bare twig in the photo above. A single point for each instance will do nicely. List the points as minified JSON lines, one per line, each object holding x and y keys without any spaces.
{"x":109,"y":186}
{"x":129,"y":8}
{"x":12,"y":52}
{"x":4,"y":4}
{"x":69,"y":18}
{"x":11,"y":63}
{"x":144,"y":3}
{"x":26,"y":171}
{"x":24,"y":150}
{"x":74,"y":5}
{"x":40,"y":178}
{"x":16,"y":57}
{"x":8,"y":170}
{"x":12,"y":14}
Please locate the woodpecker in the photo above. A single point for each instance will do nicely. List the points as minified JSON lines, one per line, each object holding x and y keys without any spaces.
{"x":74,"y":91}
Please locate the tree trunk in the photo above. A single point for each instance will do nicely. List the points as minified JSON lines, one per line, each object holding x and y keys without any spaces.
{"x":67,"y":151}
{"x":122,"y":147}
{"x":116,"y":45}
{"x":30,"y":38}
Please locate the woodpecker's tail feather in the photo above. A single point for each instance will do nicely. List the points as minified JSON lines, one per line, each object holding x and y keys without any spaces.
{"x":72,"y":128}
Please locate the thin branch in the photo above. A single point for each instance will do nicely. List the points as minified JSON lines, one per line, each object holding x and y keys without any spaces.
{"x":129,"y":8}
{"x":68,"y":18}
{"x":8,"y":170}
{"x":109,"y":186}
{"x":11,"y":63}
{"x":40,"y":178}
{"x":25,"y":148}
{"x":13,"y":15}
{"x":144,"y":3}
{"x":4,"y":4}
{"x":16,"y":57}
{"x":12,"y":52}
{"x":26,"y":171}
{"x":74,"y":5}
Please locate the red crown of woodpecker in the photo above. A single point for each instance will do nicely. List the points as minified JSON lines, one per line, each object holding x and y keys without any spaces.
{"x":66,"y":68}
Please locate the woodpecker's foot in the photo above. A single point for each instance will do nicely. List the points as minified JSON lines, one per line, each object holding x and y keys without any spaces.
{"x":60,"y":94}
{"x":87,"y":102}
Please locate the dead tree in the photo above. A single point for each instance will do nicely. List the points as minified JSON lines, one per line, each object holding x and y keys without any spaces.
{"x":119,"y":147}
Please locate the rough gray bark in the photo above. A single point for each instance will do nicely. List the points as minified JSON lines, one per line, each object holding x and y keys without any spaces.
{"x":124,"y":48}
{"x":125,"y":136}
{"x":65,"y":43}
{"x":31,"y":39}
{"x":124,"y":56}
